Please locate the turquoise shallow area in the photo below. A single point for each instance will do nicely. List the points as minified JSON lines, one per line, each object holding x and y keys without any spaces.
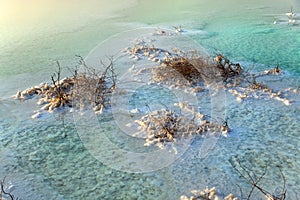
{"x":259,"y":43}
{"x":53,"y":156}
{"x":46,"y":159}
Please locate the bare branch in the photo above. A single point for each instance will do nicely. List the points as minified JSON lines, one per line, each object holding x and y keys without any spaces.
{"x":11,"y":196}
{"x":254,"y":181}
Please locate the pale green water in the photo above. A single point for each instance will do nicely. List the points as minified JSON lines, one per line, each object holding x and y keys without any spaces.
{"x":47,"y":160}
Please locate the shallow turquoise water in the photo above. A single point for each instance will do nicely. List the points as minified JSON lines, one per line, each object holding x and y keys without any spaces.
{"x":46,"y":159}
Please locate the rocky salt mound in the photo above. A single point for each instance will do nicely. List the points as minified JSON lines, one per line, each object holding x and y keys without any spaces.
{"x":207,"y":194}
{"x":162,"y":127}
{"x":85,"y":89}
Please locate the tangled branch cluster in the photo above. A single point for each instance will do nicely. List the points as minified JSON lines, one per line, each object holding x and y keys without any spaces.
{"x":255,"y":181}
{"x":89,"y":87}
{"x":164,"y":126}
{"x":179,"y":69}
